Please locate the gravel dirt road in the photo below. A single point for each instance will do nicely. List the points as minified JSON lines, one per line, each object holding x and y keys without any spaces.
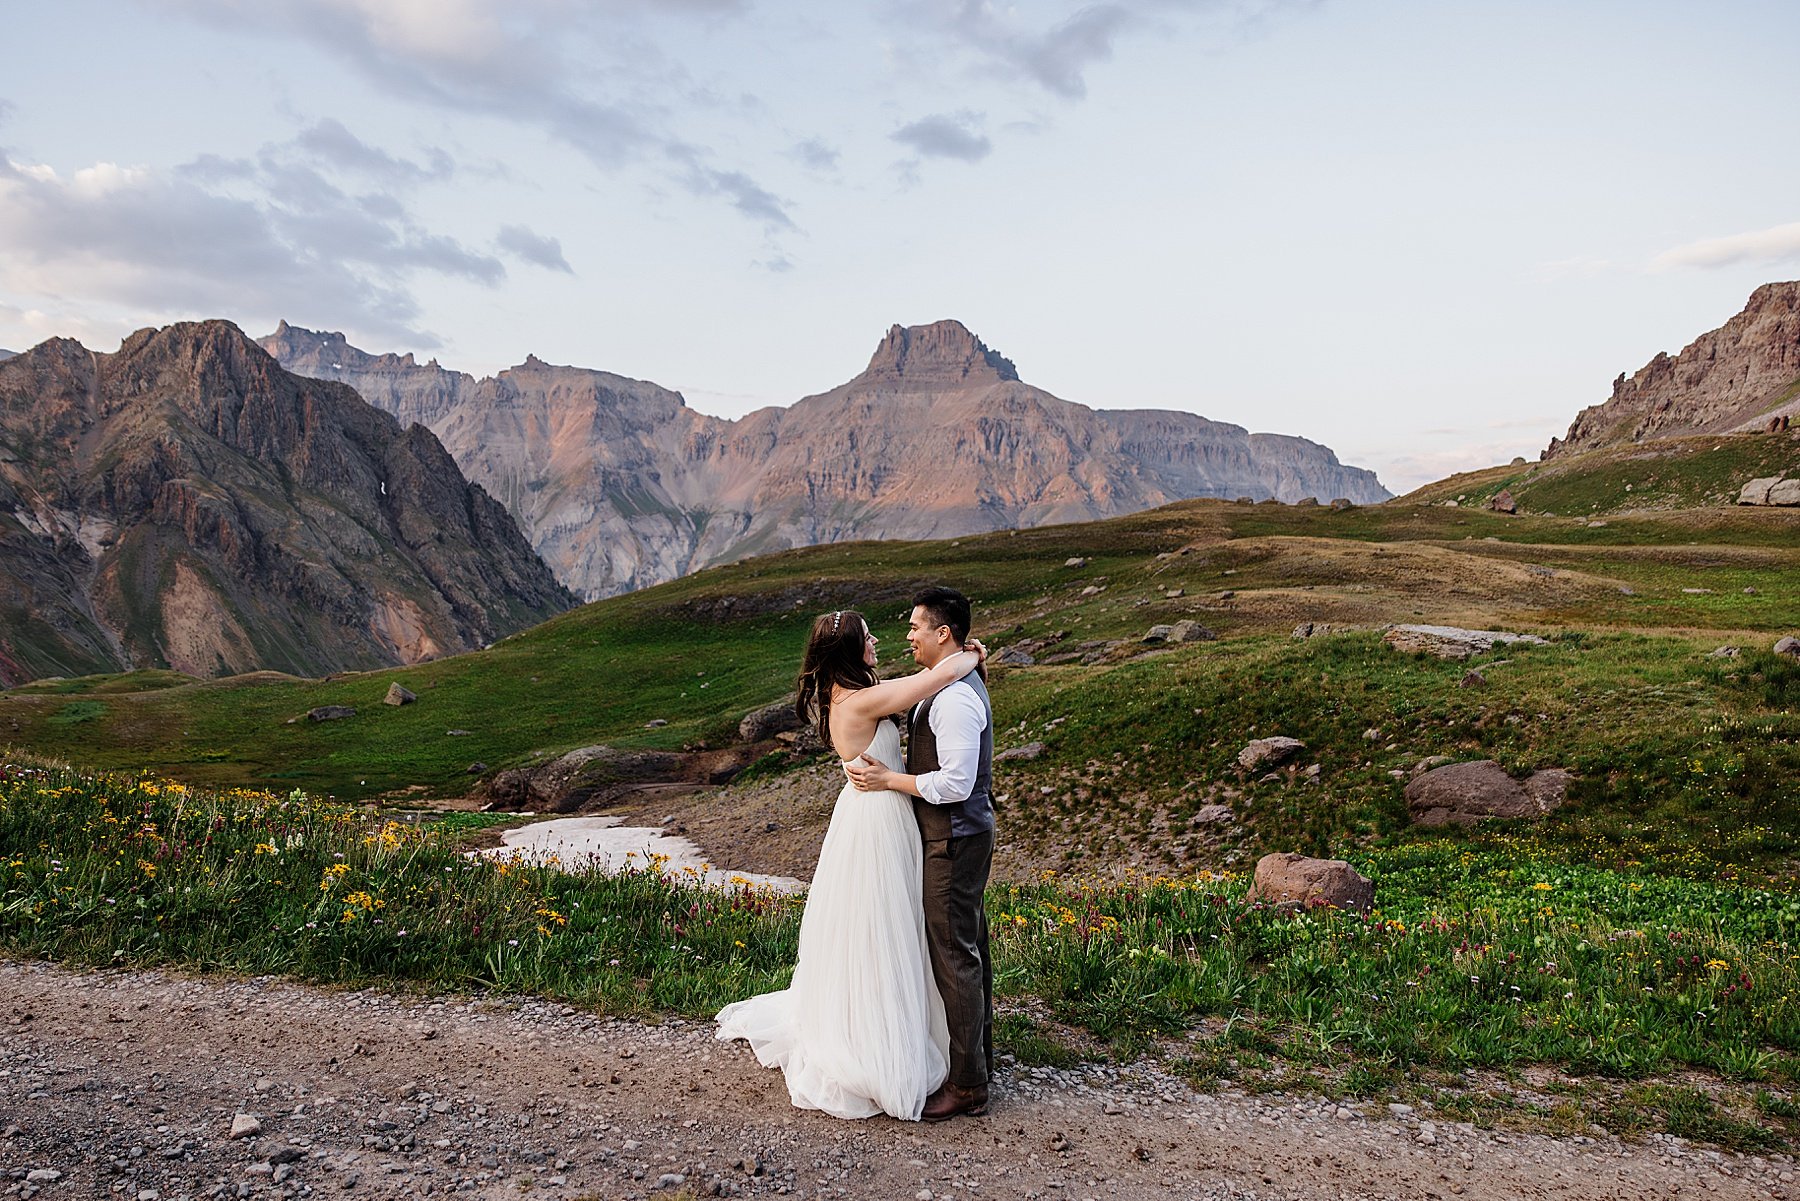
{"x":131,"y":1084}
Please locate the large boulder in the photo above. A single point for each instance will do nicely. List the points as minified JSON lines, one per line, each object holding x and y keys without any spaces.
{"x":1786,"y":492}
{"x":1180,"y":631}
{"x":1452,"y":642}
{"x":1756,"y":492}
{"x":1268,"y":752}
{"x":589,"y":773}
{"x":1462,"y":794}
{"x":396,"y":695}
{"x":1503,"y":502}
{"x":1789,"y":646}
{"x":1295,"y":881}
{"x":593,"y":776}
{"x":1030,"y":750}
{"x":776,"y":717}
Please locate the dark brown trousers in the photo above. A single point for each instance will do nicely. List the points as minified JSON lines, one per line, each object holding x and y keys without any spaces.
{"x":956,"y":928}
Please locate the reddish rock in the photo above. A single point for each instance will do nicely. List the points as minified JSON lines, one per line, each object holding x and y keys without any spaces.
{"x":1503,"y":502}
{"x":1294,"y":880}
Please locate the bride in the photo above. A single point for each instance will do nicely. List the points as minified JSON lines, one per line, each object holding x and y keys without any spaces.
{"x":860,"y":1030}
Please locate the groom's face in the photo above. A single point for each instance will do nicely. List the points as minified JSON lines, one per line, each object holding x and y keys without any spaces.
{"x":929,"y":640}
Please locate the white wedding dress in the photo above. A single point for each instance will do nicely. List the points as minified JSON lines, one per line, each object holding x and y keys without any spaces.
{"x":860,"y":1030}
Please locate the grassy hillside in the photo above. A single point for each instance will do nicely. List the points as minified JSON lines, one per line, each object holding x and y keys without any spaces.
{"x":1138,"y":737}
{"x":1667,"y":474}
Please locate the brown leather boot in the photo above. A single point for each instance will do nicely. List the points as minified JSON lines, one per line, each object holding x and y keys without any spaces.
{"x":949,"y":1100}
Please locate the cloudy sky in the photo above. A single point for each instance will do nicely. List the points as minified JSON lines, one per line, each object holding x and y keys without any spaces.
{"x":1422,"y":233}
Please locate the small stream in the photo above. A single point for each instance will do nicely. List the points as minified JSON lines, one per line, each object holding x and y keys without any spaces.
{"x":583,"y":843}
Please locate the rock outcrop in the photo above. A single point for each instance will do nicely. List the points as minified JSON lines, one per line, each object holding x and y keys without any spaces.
{"x":1773,"y":490}
{"x":1740,"y":377}
{"x":776,"y":717}
{"x":1452,"y":642}
{"x":619,"y":485}
{"x":184,"y":502}
{"x":1260,"y":753}
{"x":1462,"y":794}
{"x":592,"y":776}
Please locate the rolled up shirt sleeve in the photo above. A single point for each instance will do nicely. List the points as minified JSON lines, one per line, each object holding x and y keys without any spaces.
{"x":957,"y":719}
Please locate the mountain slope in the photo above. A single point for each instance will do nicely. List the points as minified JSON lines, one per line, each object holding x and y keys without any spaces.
{"x":619,"y":484}
{"x":1733,"y":379}
{"x":185,"y":502}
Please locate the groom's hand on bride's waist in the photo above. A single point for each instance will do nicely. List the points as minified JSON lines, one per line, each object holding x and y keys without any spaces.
{"x":871,"y":775}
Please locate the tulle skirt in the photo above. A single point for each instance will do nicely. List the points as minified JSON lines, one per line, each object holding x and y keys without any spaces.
{"x":860,"y":1030}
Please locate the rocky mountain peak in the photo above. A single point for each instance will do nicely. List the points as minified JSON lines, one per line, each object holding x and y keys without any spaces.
{"x":1734,"y":379}
{"x":321,"y":352}
{"x":620,"y":485}
{"x":942,"y":354}
{"x":187,"y":502}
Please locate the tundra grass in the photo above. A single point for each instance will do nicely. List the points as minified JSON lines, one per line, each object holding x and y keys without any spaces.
{"x":1475,"y":959}
{"x":697,"y":653}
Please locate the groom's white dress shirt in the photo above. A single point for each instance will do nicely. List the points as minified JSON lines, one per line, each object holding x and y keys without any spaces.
{"x":957,"y":719}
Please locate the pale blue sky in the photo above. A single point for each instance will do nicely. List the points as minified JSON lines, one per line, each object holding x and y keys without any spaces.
{"x":1422,"y":233}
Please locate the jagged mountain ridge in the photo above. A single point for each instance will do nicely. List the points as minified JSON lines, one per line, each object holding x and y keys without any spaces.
{"x":1733,"y":379}
{"x":618,"y":484}
{"x":185,"y":502}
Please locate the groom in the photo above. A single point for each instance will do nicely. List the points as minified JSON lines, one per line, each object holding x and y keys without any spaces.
{"x":949,"y":769}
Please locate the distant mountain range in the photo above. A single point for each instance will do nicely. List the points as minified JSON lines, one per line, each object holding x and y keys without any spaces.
{"x":618,"y":484}
{"x":1734,"y":379}
{"x":185,"y":502}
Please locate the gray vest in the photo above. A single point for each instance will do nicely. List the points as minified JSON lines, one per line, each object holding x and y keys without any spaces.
{"x":973,"y":816}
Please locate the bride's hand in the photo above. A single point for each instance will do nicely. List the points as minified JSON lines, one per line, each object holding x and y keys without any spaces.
{"x":974,"y":645}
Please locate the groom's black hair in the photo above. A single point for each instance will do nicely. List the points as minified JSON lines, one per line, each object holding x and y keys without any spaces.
{"x":947,"y":607}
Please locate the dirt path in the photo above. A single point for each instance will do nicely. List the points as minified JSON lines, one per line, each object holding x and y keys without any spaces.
{"x":127,"y":1084}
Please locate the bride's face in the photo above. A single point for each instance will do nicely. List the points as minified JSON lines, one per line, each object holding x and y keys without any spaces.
{"x":869,"y":641}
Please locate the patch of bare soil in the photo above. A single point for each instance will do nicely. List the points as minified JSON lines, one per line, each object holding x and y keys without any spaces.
{"x":774,"y":826}
{"x":130,"y":1084}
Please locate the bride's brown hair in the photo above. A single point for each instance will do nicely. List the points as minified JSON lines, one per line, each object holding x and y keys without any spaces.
{"x":834,"y":656}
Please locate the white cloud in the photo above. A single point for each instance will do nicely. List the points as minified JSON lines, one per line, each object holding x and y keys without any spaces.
{"x":249,"y":241}
{"x":543,"y":64}
{"x":1777,"y":244}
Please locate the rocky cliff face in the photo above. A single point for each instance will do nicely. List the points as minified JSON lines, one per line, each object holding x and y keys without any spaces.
{"x":619,"y":484}
{"x":1734,"y":379}
{"x":185,"y":502}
